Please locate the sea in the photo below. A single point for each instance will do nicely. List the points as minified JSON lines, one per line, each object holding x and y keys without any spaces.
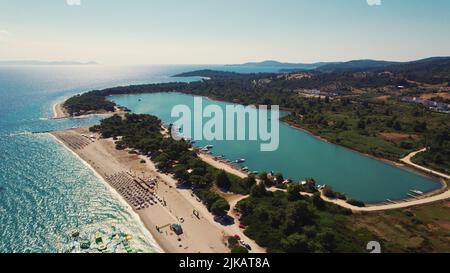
{"x":46,"y":192}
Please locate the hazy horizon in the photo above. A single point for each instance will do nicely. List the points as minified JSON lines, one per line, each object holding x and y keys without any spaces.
{"x":222,"y":32}
{"x":93,"y":62}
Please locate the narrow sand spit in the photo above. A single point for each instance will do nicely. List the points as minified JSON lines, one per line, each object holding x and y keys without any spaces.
{"x":59,"y":112}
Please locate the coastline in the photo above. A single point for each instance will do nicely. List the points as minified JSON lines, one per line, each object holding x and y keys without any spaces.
{"x":414,"y":168}
{"x":209,"y":159}
{"x":399,"y":164}
{"x":200,"y":234}
{"x":401,"y":203}
{"x":59,"y":112}
{"x":417,"y":169}
{"x":440,"y":194}
{"x":136,"y":216}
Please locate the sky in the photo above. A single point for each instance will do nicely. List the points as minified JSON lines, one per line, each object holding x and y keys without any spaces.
{"x":223,"y":31}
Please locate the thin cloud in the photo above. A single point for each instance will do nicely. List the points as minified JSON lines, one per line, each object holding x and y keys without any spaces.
{"x":4,"y":32}
{"x":374,"y":2}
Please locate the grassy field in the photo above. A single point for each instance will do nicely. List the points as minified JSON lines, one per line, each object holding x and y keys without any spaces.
{"x":388,"y":130}
{"x":419,"y":229}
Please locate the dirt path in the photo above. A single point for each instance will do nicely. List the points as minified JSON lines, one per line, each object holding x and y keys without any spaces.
{"x":401,"y":204}
{"x":443,"y":196}
{"x":407,"y":160}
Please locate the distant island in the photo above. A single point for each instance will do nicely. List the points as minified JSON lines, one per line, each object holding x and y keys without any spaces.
{"x":35,"y":62}
{"x":349,"y":66}
{"x":282,"y":65}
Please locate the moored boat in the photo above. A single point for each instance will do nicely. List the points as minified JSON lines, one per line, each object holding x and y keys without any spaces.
{"x":417,"y":192}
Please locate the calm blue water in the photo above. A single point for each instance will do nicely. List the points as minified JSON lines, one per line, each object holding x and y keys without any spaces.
{"x":299,"y":156}
{"x":45,"y":191}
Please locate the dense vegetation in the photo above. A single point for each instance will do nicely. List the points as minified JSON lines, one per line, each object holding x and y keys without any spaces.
{"x":364,"y":110}
{"x":143,"y":133}
{"x":289,"y":222}
{"x":88,"y":102}
{"x":283,"y":221}
{"x":438,"y":154}
{"x":366,"y":115}
{"x":386,"y":129}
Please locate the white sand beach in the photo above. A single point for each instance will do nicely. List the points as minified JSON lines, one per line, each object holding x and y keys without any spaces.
{"x":201,"y":234}
{"x":59,"y":112}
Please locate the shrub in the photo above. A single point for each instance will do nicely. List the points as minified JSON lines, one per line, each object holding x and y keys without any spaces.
{"x":222,"y":180}
{"x":318,"y":202}
{"x":220,"y":207}
{"x":239,"y":250}
{"x":258,"y":190}
{"x":216,"y":204}
{"x":294,"y":192}
{"x":341,"y":196}
{"x":232,"y":242}
{"x":328,"y":192}
{"x":356,"y":203}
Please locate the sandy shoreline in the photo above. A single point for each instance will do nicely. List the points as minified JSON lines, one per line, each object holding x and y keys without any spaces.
{"x":429,"y":197}
{"x":113,"y":191}
{"x":440,"y":194}
{"x":200,"y":234}
{"x":221,"y":165}
{"x":59,"y":112}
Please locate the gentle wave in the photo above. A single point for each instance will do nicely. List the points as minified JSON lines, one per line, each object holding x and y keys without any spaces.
{"x":116,"y":195}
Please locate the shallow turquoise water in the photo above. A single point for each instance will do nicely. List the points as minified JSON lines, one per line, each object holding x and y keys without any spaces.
{"x":299,"y":156}
{"x":45,"y":191}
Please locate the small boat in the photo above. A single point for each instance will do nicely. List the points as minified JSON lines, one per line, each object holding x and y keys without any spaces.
{"x":245,"y":169}
{"x":240,"y":160}
{"x":417,"y":192}
{"x":99,"y":241}
{"x":209,"y":147}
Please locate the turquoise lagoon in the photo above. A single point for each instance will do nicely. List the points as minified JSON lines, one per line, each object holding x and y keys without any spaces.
{"x":299,"y":155}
